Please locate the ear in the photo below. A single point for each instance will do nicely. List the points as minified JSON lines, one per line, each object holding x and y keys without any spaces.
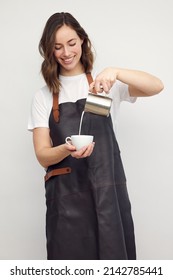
{"x":81,"y":40}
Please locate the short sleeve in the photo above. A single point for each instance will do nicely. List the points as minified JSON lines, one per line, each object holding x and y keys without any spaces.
{"x":39,"y":112}
{"x":119,"y":93}
{"x":124,"y":93}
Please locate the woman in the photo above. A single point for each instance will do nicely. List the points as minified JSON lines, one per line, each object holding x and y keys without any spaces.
{"x":88,"y":208}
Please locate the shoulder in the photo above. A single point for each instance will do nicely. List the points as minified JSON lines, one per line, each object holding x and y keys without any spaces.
{"x":42,"y":95}
{"x":40,"y":109}
{"x":42,"y":99}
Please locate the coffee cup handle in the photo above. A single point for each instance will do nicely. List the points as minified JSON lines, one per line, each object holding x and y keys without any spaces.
{"x":67,"y":139}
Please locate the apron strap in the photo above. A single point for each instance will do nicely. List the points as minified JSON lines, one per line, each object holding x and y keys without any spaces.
{"x":58,"y":171}
{"x":56,"y":107}
{"x":56,"y":99}
{"x":90,"y":80}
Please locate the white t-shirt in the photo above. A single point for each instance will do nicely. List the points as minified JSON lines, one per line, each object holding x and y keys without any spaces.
{"x":73,"y":88}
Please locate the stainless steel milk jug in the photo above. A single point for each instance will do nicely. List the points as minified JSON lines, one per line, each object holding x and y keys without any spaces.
{"x":98,"y":104}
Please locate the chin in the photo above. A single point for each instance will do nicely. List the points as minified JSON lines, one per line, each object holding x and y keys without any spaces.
{"x":70,"y":68}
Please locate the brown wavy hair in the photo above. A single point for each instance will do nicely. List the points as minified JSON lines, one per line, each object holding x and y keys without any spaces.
{"x":50,"y":67}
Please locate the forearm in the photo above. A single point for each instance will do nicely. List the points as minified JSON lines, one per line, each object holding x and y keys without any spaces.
{"x":139,"y":81}
{"x":48,"y":155}
{"x":51,"y":155}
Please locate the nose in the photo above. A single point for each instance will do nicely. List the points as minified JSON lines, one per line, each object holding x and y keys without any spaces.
{"x":66,"y":51}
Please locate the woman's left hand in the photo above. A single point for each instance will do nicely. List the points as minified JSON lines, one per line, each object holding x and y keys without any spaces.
{"x":140,"y":83}
{"x":104,"y":80}
{"x":83,"y":152}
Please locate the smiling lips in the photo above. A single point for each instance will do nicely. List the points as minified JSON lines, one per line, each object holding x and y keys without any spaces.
{"x":67,"y":60}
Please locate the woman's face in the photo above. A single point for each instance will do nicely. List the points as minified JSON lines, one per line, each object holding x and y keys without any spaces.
{"x":68,"y":50}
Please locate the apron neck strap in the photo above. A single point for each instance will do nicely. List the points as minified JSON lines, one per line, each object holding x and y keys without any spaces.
{"x":56,"y":107}
{"x":90,"y":80}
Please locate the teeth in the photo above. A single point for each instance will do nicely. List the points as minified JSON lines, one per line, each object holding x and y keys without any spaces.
{"x":68,"y":60}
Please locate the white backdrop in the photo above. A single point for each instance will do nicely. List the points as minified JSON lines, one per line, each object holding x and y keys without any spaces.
{"x":131,"y":34}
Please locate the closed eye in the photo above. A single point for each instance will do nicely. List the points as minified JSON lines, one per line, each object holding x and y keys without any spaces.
{"x":72,"y":44}
{"x":57,"y":48}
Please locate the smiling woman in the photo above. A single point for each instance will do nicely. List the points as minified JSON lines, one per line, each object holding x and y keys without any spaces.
{"x":53,"y":43}
{"x":88,"y":207}
{"x":68,"y":51}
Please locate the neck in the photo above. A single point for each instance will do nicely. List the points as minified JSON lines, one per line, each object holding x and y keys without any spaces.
{"x":77,"y":71}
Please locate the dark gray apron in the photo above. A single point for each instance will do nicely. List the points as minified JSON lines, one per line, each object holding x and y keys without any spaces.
{"x":88,"y":208}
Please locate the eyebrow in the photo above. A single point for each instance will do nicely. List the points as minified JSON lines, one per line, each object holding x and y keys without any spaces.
{"x":67,"y":42}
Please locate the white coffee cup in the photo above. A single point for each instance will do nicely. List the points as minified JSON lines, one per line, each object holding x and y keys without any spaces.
{"x":79,"y":141}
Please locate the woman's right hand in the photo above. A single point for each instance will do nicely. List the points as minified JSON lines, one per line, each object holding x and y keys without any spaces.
{"x":48,"y":155}
{"x":45,"y":153}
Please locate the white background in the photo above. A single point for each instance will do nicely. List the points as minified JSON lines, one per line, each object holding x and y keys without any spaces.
{"x":131,"y":34}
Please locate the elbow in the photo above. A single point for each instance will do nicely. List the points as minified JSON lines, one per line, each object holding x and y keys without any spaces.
{"x":42,"y":162}
{"x":159,"y":87}
{"x":45,"y":166}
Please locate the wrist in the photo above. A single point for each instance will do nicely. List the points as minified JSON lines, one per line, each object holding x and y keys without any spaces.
{"x":117,"y":73}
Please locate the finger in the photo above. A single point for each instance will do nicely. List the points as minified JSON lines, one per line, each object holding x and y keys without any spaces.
{"x":83,"y":152}
{"x":70,"y":147}
{"x":79,"y":153}
{"x":89,"y":150}
{"x":91,"y":87}
{"x":105,"y":86}
{"x":98,"y":86}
